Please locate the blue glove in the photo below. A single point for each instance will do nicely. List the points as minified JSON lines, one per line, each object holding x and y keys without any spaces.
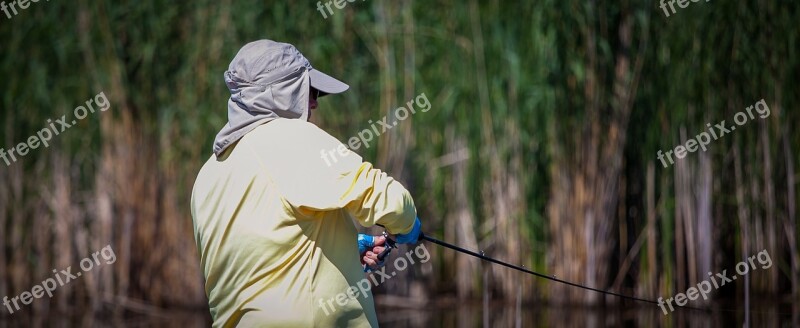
{"x":412,"y":236}
{"x":364,"y":242}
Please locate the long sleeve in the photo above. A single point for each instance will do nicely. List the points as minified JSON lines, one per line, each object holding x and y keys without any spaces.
{"x":376,"y":198}
{"x":315,"y":175}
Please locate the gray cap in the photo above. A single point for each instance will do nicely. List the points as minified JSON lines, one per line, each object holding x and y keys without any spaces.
{"x":269,"y":80}
{"x":325,"y":83}
{"x":265,"y":62}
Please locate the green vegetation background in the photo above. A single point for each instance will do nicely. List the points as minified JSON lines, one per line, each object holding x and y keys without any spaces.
{"x":545,"y":122}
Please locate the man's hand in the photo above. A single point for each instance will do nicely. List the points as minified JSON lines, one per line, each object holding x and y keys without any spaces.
{"x":369,"y":247}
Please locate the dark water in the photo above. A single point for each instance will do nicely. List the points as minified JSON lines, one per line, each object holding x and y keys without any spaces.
{"x":499,"y":315}
{"x":470,"y":315}
{"x":180,"y":319}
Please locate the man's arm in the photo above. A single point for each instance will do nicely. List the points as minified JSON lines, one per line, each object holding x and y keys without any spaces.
{"x":313,"y":173}
{"x":376,"y":198}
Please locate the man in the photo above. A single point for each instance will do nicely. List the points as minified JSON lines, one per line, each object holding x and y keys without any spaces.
{"x":273,"y":222}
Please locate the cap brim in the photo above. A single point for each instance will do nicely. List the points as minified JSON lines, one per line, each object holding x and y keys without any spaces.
{"x":325,"y":83}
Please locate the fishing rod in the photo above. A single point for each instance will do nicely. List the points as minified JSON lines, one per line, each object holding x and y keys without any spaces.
{"x":390,"y":244}
{"x":523,"y":269}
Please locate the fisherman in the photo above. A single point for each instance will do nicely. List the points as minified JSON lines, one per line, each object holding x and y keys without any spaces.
{"x":273,"y":222}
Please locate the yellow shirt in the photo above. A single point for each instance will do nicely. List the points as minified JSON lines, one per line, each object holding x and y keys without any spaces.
{"x":273,"y":222}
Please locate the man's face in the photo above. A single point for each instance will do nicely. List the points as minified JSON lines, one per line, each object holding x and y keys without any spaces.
{"x":312,"y":99}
